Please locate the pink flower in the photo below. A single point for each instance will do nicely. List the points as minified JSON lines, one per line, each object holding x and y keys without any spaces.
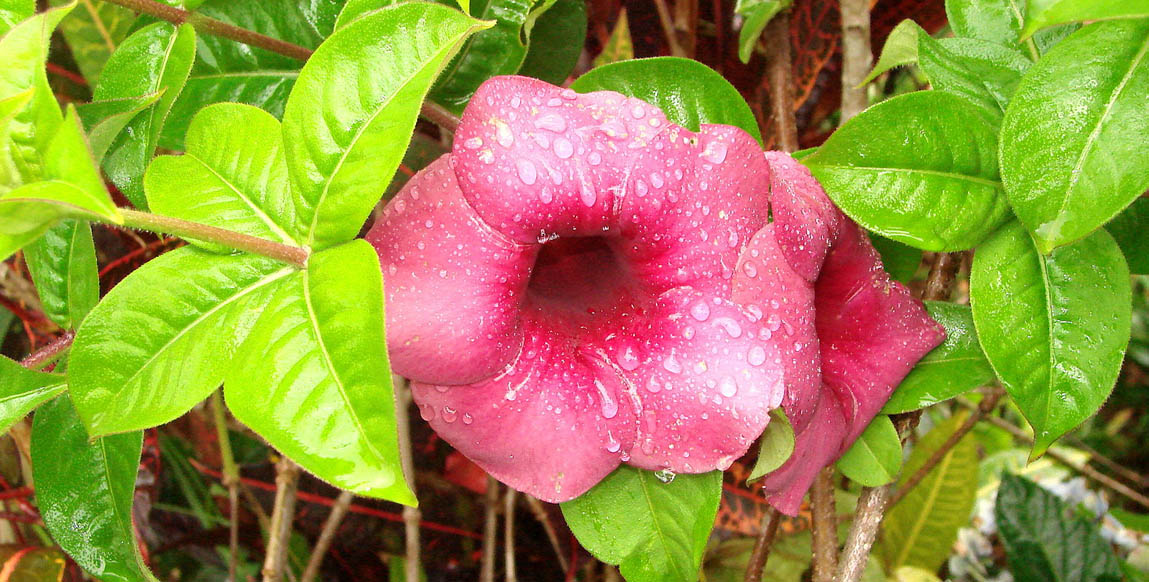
{"x":574,"y":287}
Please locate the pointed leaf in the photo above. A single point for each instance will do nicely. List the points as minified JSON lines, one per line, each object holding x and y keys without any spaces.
{"x":983,"y":73}
{"x":498,"y":50}
{"x":154,"y":58}
{"x":1044,"y":13}
{"x":756,"y":14}
{"x":93,"y":31}
{"x":874,"y":459}
{"x":84,"y":492}
{"x":953,"y":368}
{"x":556,"y":42}
{"x":37,"y":206}
{"x":12,"y":12}
{"x":774,"y":446}
{"x":1053,"y":327}
{"x":163,"y":338}
{"x":901,"y":48}
{"x":618,"y":47}
{"x":689,"y":92}
{"x":22,"y":389}
{"x":104,"y":120}
{"x":1128,"y":229}
{"x":921,"y":529}
{"x":63,"y":266}
{"x":1042,"y":543}
{"x":233,"y":175}
{"x":353,"y":110}
{"x":1000,"y":22}
{"x":1075,"y":138}
{"x":313,"y":377}
{"x":654,"y":530}
{"x":919,"y":169}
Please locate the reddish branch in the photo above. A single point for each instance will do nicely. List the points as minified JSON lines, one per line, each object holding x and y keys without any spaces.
{"x":49,"y":353}
{"x":762,"y":545}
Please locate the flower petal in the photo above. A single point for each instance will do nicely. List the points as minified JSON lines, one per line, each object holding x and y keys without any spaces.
{"x":552,"y":426}
{"x":453,"y":285}
{"x":807,"y":221}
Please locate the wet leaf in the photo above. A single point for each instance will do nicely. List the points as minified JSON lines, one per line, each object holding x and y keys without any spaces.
{"x":1044,"y":13}
{"x":774,"y":446}
{"x":104,"y":120}
{"x":1000,"y":22}
{"x":874,"y":459}
{"x":1128,"y":229}
{"x":93,"y":31}
{"x":756,"y":14}
{"x":22,"y":389}
{"x":557,"y":40}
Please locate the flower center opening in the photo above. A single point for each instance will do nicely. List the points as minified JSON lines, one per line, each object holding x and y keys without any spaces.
{"x":580,"y":278}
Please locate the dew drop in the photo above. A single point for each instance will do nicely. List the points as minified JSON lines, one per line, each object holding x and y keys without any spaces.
{"x":594,"y":158}
{"x":656,"y":180}
{"x":586,"y":193}
{"x":467,"y":418}
{"x":653,"y":385}
{"x":664,"y":475}
{"x":628,"y":360}
{"x":546,"y":196}
{"x":612,"y":444}
{"x":427,"y":412}
{"x":638,"y":111}
{"x":503,"y":135}
{"x":730,"y":326}
{"x":449,"y":414}
{"x":756,"y":356}
{"x":715,"y":152}
{"x":672,"y":365}
{"x":473,"y":143}
{"x":750,"y":270}
{"x":700,"y":311}
{"x":552,"y":122}
{"x":728,"y":387}
{"x":609,"y":406}
{"x":527,"y":172}
{"x":563,"y":148}
{"x":640,"y":188}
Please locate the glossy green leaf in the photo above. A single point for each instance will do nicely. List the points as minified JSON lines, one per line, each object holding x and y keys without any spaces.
{"x":774,"y":446}
{"x":1040,"y":14}
{"x":355,"y":9}
{"x":229,"y":71}
{"x":920,"y":169}
{"x":10,"y":107}
{"x":557,"y":40}
{"x":154,"y":58}
{"x":22,"y":389}
{"x":39,"y":205}
{"x":1053,"y":327}
{"x":955,"y":367}
{"x":1043,"y":543}
{"x":688,"y":92}
{"x":1000,"y":22}
{"x":1129,"y":230}
{"x":104,"y":120}
{"x":874,"y":459}
{"x":1075,"y":138}
{"x":498,"y":50}
{"x":93,"y":31}
{"x":84,"y":492}
{"x":313,"y":378}
{"x":233,"y":175}
{"x":922,"y":528}
{"x":353,"y":110}
{"x":163,"y":338}
{"x":901,"y":261}
{"x":756,"y":14}
{"x":619,"y":46}
{"x":982,"y":73}
{"x":653,"y":530}
{"x":12,"y":12}
{"x":901,"y":48}
{"x":63,"y":266}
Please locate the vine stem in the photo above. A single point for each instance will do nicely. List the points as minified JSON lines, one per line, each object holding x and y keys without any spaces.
{"x":411,"y":515}
{"x":327,"y":535}
{"x":41,"y":358}
{"x":509,"y":535}
{"x":283,"y":514}
{"x":761,"y":553}
{"x":230,"y":480}
{"x":490,"y":532}
{"x":214,"y":27}
{"x":824,"y":526}
{"x":194,"y":230}
{"x":540,"y":513}
{"x":779,"y":73}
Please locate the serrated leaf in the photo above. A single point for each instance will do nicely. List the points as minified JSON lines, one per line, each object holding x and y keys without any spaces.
{"x":163,"y":338}
{"x":354,"y":108}
{"x":1075,"y":138}
{"x":155,"y":58}
{"x":22,"y":389}
{"x":688,"y":92}
{"x":84,"y":492}
{"x":313,"y":378}
{"x":93,"y":31}
{"x":1053,"y":327}
{"x":497,"y":50}
{"x":62,"y":263}
{"x":1128,"y":229}
{"x":12,"y":12}
{"x":556,"y":42}
{"x":618,"y":46}
{"x":921,"y":529}
{"x":756,"y":14}
{"x":955,"y":367}
{"x":653,"y":530}
{"x":1042,"y":543}
{"x":774,"y":446}
{"x":233,"y":175}
{"x":1040,"y":14}
{"x":874,"y":459}
{"x":920,"y":169}
{"x":229,"y":71}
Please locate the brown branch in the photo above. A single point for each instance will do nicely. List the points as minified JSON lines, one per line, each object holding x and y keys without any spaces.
{"x":943,"y":272}
{"x":213,"y":27}
{"x":540,"y":513}
{"x":667,"y":23}
{"x":327,"y":535}
{"x":761,"y":553}
{"x":824,"y":530}
{"x":509,"y":535}
{"x":412,"y":517}
{"x":231,"y":481}
{"x":49,"y":353}
{"x":286,"y":483}
{"x":856,"y":56}
{"x":490,"y":532}
{"x":1139,"y":480}
{"x":686,"y":25}
{"x":779,"y":73}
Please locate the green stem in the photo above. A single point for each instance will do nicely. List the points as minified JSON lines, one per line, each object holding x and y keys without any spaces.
{"x":194,"y":230}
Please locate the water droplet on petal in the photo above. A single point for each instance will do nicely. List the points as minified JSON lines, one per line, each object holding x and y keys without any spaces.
{"x":563,"y":148}
{"x":609,"y":406}
{"x":728,"y":387}
{"x":750,"y":270}
{"x":594,"y":158}
{"x":427,"y":412}
{"x":756,"y":356}
{"x":612,"y":444}
{"x":628,"y":360}
{"x":546,"y":196}
{"x":449,"y":414}
{"x":552,"y":122}
{"x":586,"y":193}
{"x":656,"y":180}
{"x":700,"y":311}
{"x":503,"y":135}
{"x":730,"y":326}
{"x":672,"y":365}
{"x":653,"y":385}
{"x":473,"y":143}
{"x":715,"y":152}
{"x":467,"y":418}
{"x":527,"y":172}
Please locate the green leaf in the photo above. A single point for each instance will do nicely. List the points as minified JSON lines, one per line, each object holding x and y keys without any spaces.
{"x":353,"y":110}
{"x":1128,"y":229}
{"x":1040,"y":14}
{"x":556,"y":41}
{"x":901,"y":48}
{"x":618,"y":47}
{"x":229,"y":71}
{"x":982,"y":73}
{"x":497,"y":50}
{"x":37,"y":206}
{"x":922,"y":528}
{"x":1042,"y":543}
{"x":355,"y":9}
{"x":22,"y":389}
{"x":84,"y":492}
{"x":1053,"y":327}
{"x":104,"y":120}
{"x":920,"y":169}
{"x":756,"y":14}
{"x":1075,"y":138}
{"x":63,"y":266}
{"x":955,"y":367}
{"x":1000,"y":22}
{"x":93,"y":31}
{"x":688,"y":92}
{"x":12,"y":12}
{"x":32,"y":564}
{"x":313,"y":378}
{"x":901,"y":261}
{"x":874,"y":459}
{"x":653,"y":530}
{"x":233,"y":175}
{"x":774,"y":446}
{"x":163,"y":338}
{"x":155,"y":58}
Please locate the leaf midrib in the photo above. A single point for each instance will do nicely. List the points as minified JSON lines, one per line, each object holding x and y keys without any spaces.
{"x":642,"y":477}
{"x":263,"y":216}
{"x":99,"y":24}
{"x":965,"y":177}
{"x":931,"y":497}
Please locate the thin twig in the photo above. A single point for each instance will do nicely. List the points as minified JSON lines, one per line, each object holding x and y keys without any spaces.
{"x":327,"y":535}
{"x":509,"y":535}
{"x":761,"y":553}
{"x":231,"y":481}
{"x":412,"y":517}
{"x":667,"y":23}
{"x":257,"y":508}
{"x":686,"y":24}
{"x":490,"y":532}
{"x":49,"y":353}
{"x":824,"y":530}
{"x":943,"y":272}
{"x":283,"y":514}
{"x":779,"y":73}
{"x":1140,"y":481}
{"x":187,"y":229}
{"x":540,"y":513}
{"x":856,"y":55}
